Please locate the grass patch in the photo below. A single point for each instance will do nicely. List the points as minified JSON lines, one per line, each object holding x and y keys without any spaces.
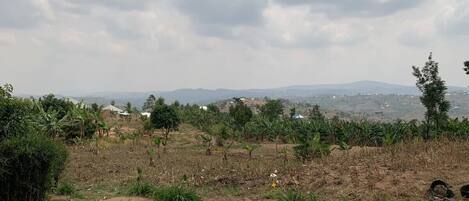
{"x":175,"y":193}
{"x":170,"y":193}
{"x":293,"y":195}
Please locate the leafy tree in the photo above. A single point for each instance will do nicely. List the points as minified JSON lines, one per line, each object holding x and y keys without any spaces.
{"x":52,"y":104}
{"x":6,"y":90}
{"x":149,"y":103}
{"x":240,"y":113}
{"x":165,"y":117}
{"x":272,"y":109}
{"x":433,"y":90}
{"x":213,"y":108}
{"x":113,"y":103}
{"x":466,"y":67}
{"x":160,"y":101}
{"x":316,"y":114}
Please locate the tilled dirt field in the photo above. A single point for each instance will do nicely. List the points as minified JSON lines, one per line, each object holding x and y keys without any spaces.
{"x":399,"y":172}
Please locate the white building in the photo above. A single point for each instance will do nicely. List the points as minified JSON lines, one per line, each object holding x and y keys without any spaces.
{"x":113,"y":109}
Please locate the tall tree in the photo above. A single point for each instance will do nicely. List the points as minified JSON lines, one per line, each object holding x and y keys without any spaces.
{"x":240,"y":113}
{"x":272,"y":109}
{"x":128,"y":107}
{"x":149,"y":103}
{"x":466,"y":68}
{"x":433,"y":90}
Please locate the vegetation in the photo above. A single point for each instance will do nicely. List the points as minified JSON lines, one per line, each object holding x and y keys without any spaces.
{"x":164,"y":117}
{"x":433,"y":95}
{"x":466,"y":67}
{"x":293,"y":195}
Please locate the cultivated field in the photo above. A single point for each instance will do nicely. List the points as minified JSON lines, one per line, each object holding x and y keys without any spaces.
{"x":103,"y":169}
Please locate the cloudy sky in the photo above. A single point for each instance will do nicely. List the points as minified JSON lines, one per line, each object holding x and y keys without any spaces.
{"x":142,"y":45}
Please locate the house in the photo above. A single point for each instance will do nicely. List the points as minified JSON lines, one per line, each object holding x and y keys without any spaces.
{"x":146,"y":114}
{"x":298,"y":116}
{"x":113,"y":109}
{"x":205,"y":108}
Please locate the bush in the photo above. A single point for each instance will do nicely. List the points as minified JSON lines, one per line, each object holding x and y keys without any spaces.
{"x":141,"y":189}
{"x":310,"y":148}
{"x":65,"y":189}
{"x":175,"y":193}
{"x":30,"y":165}
{"x":15,"y":117}
{"x":292,"y":195}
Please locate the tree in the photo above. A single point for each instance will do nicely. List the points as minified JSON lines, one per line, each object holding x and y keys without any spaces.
{"x":466,"y":68}
{"x":316,"y":114}
{"x":272,"y":109}
{"x":52,"y":104}
{"x":241,"y":114}
{"x":128,"y":107}
{"x":6,"y":90}
{"x":292,"y":112}
{"x":149,"y":103}
{"x":165,"y":117}
{"x":113,"y":103}
{"x":433,"y":90}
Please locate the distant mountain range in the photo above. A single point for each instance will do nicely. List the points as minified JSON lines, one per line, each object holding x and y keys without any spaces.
{"x":203,"y":96}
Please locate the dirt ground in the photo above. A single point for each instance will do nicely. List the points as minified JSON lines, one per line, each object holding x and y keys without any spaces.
{"x":398,"y":172}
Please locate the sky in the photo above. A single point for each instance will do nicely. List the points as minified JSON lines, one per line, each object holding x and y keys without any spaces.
{"x":152,"y":45}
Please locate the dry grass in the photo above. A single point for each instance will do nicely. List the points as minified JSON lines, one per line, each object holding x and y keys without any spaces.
{"x":399,"y":172}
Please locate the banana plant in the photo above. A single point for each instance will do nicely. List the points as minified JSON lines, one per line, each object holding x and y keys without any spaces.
{"x":250,"y":148}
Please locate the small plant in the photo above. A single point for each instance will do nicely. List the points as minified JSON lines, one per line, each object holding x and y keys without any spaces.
{"x":151,"y":155}
{"x":250,"y":148}
{"x":65,"y":189}
{"x":141,"y":188}
{"x":157,"y":141}
{"x":293,"y":195}
{"x":309,"y":148}
{"x":175,"y":193}
{"x":225,"y":150}
{"x":284,"y":154}
{"x":207,"y":142}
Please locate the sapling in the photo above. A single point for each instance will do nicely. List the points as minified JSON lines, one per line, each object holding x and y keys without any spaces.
{"x":151,"y":155}
{"x":250,"y":148}
{"x":207,"y":142}
{"x":157,"y":141}
{"x":225,"y":149}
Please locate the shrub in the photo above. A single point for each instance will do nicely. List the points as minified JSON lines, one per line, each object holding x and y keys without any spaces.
{"x":175,"y":193}
{"x":309,"y":148}
{"x":30,"y":165}
{"x":141,"y":188}
{"x":65,"y":189}
{"x":292,"y":195}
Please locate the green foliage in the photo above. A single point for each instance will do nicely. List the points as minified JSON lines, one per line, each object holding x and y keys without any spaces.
{"x":240,"y":113}
{"x":316,"y":114}
{"x":141,"y":189}
{"x":175,"y":193}
{"x":50,"y":104}
{"x":65,"y":189}
{"x":292,"y":195}
{"x":128,"y":107}
{"x":149,"y":103}
{"x":433,"y":90}
{"x":15,"y":117}
{"x":250,"y":148}
{"x":32,"y":164}
{"x":311,"y":146}
{"x":165,"y":117}
{"x":271,"y":110}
